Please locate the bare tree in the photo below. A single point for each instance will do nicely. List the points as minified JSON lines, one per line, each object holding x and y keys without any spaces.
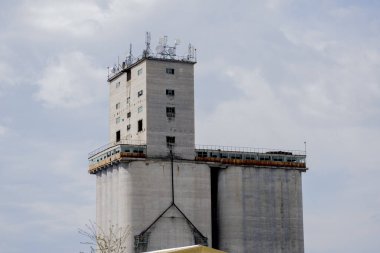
{"x":112,"y":240}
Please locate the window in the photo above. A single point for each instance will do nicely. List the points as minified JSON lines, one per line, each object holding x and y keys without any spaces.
{"x":170,"y":92}
{"x":128,"y":114}
{"x":170,"y":71}
{"x":139,"y":72}
{"x":140,"y":93}
{"x":201,"y":154}
{"x":170,"y":140}
{"x":118,"y":136}
{"x":117,"y":84}
{"x":128,"y":127}
{"x":139,"y":109}
{"x":117,"y":120}
{"x":170,"y":112}
{"x":117,"y":106}
{"x":139,"y":125}
{"x":128,"y":74}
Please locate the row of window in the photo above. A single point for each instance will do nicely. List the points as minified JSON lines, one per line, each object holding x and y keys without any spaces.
{"x":169,"y":71}
{"x":170,"y":113}
{"x":169,"y":92}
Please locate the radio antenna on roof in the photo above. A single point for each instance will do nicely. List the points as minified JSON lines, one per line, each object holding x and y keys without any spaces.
{"x":129,"y":59}
{"x":147,"y":50}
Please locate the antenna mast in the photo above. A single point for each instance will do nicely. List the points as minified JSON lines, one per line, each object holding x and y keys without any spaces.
{"x":129,"y":59}
{"x":147,"y":50}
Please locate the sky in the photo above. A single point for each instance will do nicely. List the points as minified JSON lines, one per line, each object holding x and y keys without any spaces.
{"x":270,"y":74}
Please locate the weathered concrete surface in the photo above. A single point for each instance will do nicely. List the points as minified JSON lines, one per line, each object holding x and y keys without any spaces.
{"x":158,"y":125}
{"x":127,"y":106}
{"x":134,"y":194}
{"x":260,"y":210}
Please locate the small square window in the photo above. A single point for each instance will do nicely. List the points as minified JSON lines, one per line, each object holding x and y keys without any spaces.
{"x":170,"y":71}
{"x":170,"y":140}
{"x":117,"y":106}
{"x":140,"y":93}
{"x":170,"y":92}
{"x":139,"y":72}
{"x":128,"y":127}
{"x":128,"y":114}
{"x":170,"y":112}
{"x":139,"y":125}
{"x":140,"y":109}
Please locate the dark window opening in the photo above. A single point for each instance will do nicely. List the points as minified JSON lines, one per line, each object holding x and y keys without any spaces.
{"x":170,"y":140}
{"x":128,"y":126}
{"x":118,"y":136}
{"x":139,"y":125}
{"x":128,"y":74}
{"x":170,"y":92}
{"x":170,"y":112}
{"x":214,"y":174}
{"x":170,"y":71}
{"x":264,"y":158}
{"x":201,"y":154}
{"x":128,"y":114}
{"x":140,"y":93}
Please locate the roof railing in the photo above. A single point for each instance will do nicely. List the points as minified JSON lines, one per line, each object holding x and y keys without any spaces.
{"x":115,"y":143}
{"x":247,"y":149}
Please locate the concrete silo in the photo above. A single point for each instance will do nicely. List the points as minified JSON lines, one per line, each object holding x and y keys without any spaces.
{"x":152,"y":178}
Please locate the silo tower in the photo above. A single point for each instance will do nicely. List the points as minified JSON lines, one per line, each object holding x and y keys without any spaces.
{"x":152,"y":177}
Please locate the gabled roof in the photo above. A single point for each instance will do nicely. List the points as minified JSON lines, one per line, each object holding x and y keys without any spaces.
{"x":189,"y":249}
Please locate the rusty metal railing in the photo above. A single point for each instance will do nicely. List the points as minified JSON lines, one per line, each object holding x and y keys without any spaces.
{"x":200,"y":147}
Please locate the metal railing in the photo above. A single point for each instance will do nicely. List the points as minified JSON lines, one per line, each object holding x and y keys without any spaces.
{"x":115,"y":143}
{"x":200,"y":147}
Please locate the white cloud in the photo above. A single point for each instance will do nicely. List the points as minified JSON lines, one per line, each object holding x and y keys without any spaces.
{"x":71,"y":17}
{"x":314,"y":39}
{"x":81,"y":18}
{"x":71,"y":80}
{"x":258,"y":119}
{"x":3,"y":131}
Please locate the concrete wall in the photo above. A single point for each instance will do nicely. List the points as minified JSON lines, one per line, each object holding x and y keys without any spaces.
{"x":126,"y":93}
{"x":159,"y":125}
{"x":260,"y":210}
{"x":134,"y":194}
{"x":153,"y":82}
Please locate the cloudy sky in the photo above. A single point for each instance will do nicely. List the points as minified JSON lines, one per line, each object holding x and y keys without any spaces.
{"x":270,"y":74}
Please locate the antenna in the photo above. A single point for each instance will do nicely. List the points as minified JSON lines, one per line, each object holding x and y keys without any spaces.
{"x":167,"y":51}
{"x":192,"y":53}
{"x":305,"y":146}
{"x":147,"y":51}
{"x":114,"y":69}
{"x":159,"y":49}
{"x":129,"y":59}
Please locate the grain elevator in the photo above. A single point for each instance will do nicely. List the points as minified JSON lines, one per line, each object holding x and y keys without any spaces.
{"x":152,"y":177}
